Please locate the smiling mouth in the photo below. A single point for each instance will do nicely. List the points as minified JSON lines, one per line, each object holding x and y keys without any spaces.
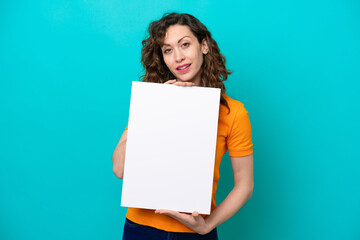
{"x":183,"y":68}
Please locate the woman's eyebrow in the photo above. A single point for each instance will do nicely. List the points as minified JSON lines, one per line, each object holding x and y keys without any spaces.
{"x":183,"y":38}
{"x":165,"y":44}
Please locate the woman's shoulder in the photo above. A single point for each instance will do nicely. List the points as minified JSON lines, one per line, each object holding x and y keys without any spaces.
{"x":236,"y":107}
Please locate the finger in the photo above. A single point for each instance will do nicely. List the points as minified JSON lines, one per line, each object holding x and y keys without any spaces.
{"x":170,"y":81}
{"x":184,"y":83}
{"x":171,"y":213}
{"x":178,"y":216}
{"x":165,"y":211}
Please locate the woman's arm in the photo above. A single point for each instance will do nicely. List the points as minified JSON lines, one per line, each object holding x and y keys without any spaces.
{"x":240,"y":194}
{"x":118,"y":157}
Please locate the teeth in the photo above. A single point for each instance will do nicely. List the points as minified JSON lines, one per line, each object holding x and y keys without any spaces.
{"x":182,"y":68}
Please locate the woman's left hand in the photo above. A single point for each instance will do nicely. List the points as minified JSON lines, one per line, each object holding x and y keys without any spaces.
{"x":193,"y":221}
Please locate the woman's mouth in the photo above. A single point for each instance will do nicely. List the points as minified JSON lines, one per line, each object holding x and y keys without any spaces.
{"x":183,"y":68}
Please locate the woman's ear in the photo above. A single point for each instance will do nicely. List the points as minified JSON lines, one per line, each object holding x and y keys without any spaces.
{"x":204,"y":47}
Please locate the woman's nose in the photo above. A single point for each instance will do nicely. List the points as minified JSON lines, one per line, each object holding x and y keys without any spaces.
{"x":179,"y":56}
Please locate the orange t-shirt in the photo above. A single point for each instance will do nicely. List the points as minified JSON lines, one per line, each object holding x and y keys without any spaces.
{"x":234,"y":134}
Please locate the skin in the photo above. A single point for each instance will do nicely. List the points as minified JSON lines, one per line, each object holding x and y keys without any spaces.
{"x":182,"y":47}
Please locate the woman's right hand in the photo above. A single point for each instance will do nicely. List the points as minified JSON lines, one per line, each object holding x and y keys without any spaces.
{"x":177,"y":83}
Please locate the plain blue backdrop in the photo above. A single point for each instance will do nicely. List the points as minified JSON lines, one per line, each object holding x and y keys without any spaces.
{"x":65,"y":79}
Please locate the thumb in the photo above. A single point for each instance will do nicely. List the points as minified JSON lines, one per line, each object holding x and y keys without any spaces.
{"x":196,"y":215}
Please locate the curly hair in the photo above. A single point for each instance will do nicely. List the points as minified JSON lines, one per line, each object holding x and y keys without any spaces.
{"x":213,"y":69}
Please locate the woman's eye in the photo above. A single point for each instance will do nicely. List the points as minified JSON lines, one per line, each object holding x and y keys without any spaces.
{"x":167,"y":51}
{"x":186,"y":44}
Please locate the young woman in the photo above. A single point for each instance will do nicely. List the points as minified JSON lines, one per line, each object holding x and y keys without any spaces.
{"x":181,"y":51}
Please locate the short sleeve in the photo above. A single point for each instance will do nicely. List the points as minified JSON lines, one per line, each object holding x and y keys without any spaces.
{"x":239,"y":140}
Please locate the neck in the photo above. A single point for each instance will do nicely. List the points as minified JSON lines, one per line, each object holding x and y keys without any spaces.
{"x":196,"y":79}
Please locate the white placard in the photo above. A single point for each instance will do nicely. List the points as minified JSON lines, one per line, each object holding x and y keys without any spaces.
{"x":170,"y":150}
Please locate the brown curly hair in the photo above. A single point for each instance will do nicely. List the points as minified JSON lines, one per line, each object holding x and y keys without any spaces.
{"x":213,"y":69}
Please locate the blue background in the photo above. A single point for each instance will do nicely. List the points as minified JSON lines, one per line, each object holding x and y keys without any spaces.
{"x":65,"y":78}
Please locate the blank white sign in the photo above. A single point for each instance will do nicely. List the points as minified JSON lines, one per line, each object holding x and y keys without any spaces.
{"x":170,"y":150}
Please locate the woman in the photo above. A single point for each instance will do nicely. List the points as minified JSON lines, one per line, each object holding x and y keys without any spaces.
{"x":181,"y":51}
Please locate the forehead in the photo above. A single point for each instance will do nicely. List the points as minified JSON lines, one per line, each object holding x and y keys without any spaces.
{"x":176,"y":32}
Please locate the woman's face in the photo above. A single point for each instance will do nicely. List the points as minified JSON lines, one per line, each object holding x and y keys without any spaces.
{"x":183,"y":54}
